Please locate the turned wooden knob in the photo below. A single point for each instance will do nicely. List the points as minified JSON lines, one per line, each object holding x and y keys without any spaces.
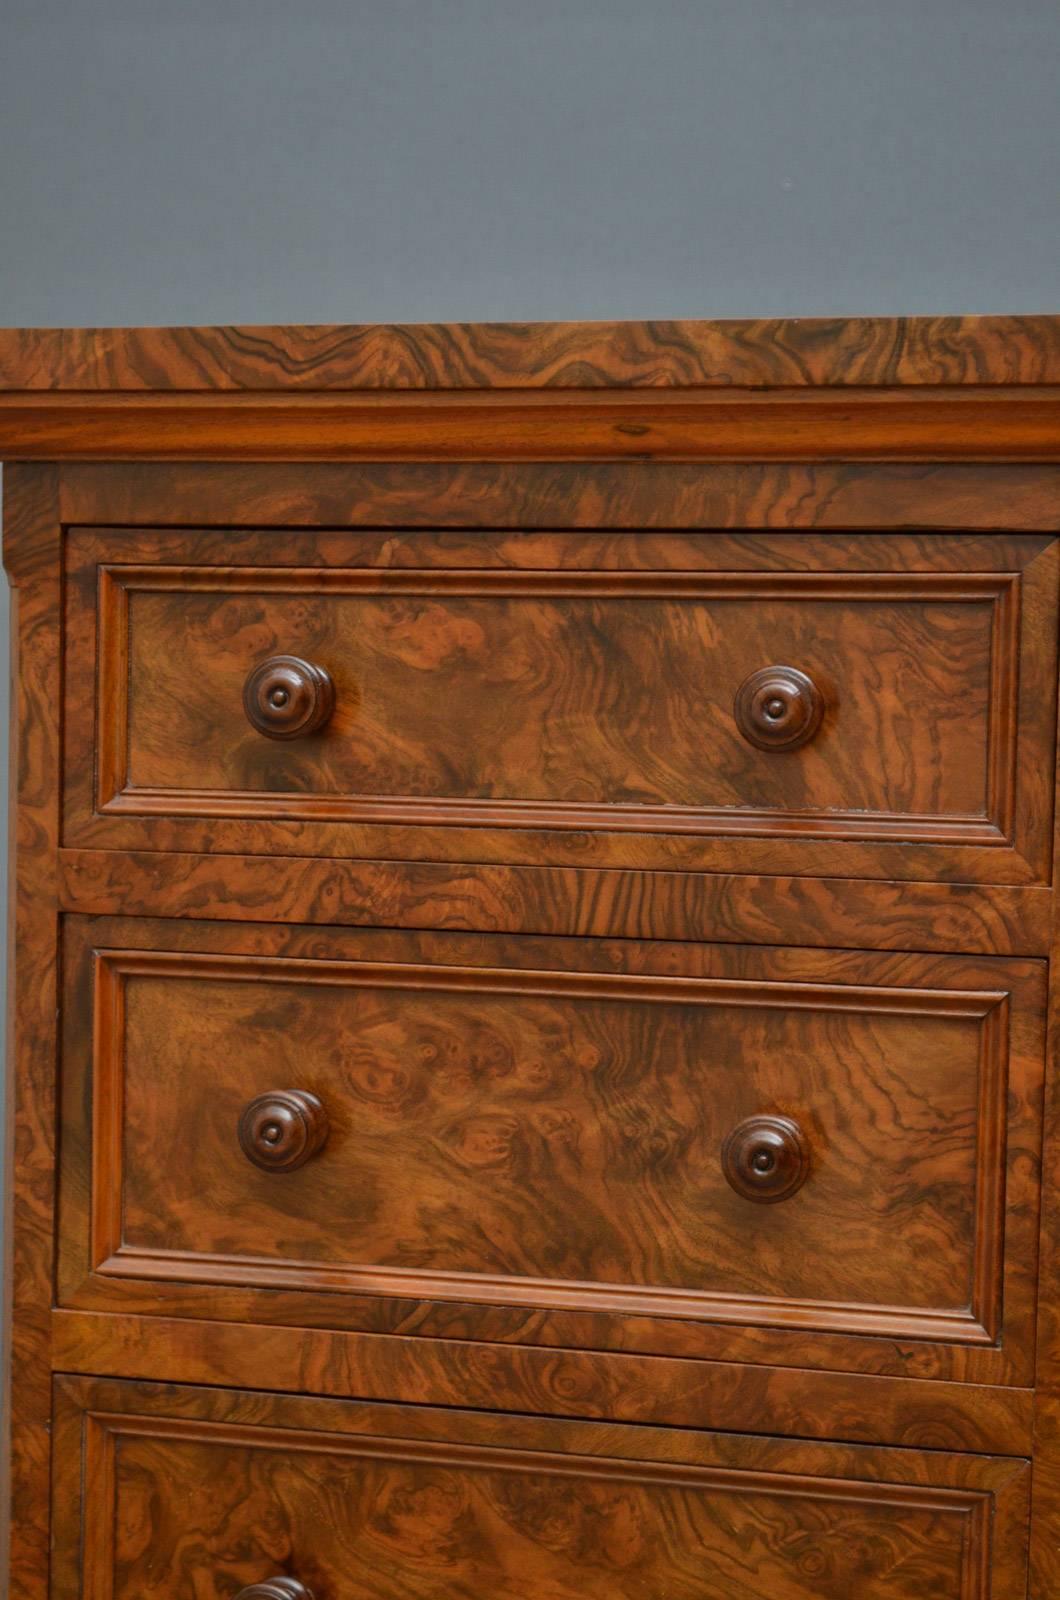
{"x":276,"y":1589}
{"x":778,"y":708}
{"x":282,"y":1130}
{"x":286,"y":697}
{"x":766,"y":1158}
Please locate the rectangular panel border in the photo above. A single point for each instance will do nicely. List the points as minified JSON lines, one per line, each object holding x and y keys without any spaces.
{"x":93,"y":1415}
{"x":111,"y":1257}
{"x":116,"y":796}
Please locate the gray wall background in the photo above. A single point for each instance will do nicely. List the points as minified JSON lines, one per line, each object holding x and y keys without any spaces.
{"x":170,"y":161}
{"x":403,"y":160}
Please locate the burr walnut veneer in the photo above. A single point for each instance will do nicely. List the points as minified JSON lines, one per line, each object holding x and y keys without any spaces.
{"x":531,"y":1067}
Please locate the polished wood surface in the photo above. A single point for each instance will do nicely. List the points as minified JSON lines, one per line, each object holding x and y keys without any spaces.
{"x":570,"y":702}
{"x":783,"y":352}
{"x":282,"y":1129}
{"x":601,"y":703}
{"x":31,"y":552}
{"x":561,"y":1139}
{"x":591,"y":1074}
{"x":564,"y":706}
{"x":168,"y":1492}
{"x":285,"y":697}
{"x":778,"y":708}
{"x":782,"y":389}
{"x":602,"y":497}
{"x":525,"y":425}
{"x":565,"y":900}
{"x":766,"y":1158}
{"x":729,"y":1395}
{"x":590,"y":1330}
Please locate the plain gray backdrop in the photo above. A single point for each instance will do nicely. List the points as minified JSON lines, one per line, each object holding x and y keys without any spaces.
{"x":199,"y":161}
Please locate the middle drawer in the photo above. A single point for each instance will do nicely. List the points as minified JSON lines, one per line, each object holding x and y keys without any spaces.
{"x":637,"y":1145}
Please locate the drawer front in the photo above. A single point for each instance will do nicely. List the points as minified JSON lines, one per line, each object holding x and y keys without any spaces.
{"x":833,"y":1143}
{"x":632,"y":715}
{"x":164,"y":1493}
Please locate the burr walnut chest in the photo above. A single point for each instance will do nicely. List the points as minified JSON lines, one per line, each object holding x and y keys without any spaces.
{"x":533,"y":901}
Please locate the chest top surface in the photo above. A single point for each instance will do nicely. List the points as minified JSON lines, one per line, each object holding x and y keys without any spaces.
{"x":920,"y":387}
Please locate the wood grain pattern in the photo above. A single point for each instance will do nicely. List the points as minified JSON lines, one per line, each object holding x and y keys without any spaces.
{"x":475,"y":1114}
{"x":643,"y":389}
{"x":1049,"y":1304}
{"x":596,"y":1330}
{"x":981,"y":920}
{"x":866,"y":424}
{"x":791,"y":352}
{"x":626,"y":496}
{"x":1045,"y":1542}
{"x":31,"y":555}
{"x":909,"y":1414}
{"x":574,"y":708}
{"x":476,"y":1111}
{"x":556,"y":701}
{"x":856,"y":455}
{"x":202,"y":1492}
{"x":1045,"y":1522}
{"x":561,"y":701}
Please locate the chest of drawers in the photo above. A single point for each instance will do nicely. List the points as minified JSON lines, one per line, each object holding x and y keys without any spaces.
{"x":533,"y":917}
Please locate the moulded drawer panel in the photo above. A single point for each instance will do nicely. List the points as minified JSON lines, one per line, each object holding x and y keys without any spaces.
{"x":171,"y":1492}
{"x":848,"y":1156}
{"x":865,"y":709}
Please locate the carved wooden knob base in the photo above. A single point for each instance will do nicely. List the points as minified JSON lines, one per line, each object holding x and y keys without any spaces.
{"x":276,"y":1589}
{"x":766,"y":1159}
{"x":288,"y":698}
{"x":778,"y":708}
{"x":283,"y":1129}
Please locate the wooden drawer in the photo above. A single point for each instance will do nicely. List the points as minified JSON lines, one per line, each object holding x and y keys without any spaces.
{"x":753,"y":702}
{"x":814,"y":1146}
{"x":165,"y":1493}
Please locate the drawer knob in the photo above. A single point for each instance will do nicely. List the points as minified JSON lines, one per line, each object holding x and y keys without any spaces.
{"x":766,"y":1158}
{"x":778,"y":708}
{"x":282,"y":1130}
{"x":276,"y":1589}
{"x":287,"y":698}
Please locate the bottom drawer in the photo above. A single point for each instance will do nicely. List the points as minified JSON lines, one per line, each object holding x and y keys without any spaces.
{"x":173,"y":1493}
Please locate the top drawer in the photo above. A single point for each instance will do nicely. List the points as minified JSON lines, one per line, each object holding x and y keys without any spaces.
{"x":750,"y":703}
